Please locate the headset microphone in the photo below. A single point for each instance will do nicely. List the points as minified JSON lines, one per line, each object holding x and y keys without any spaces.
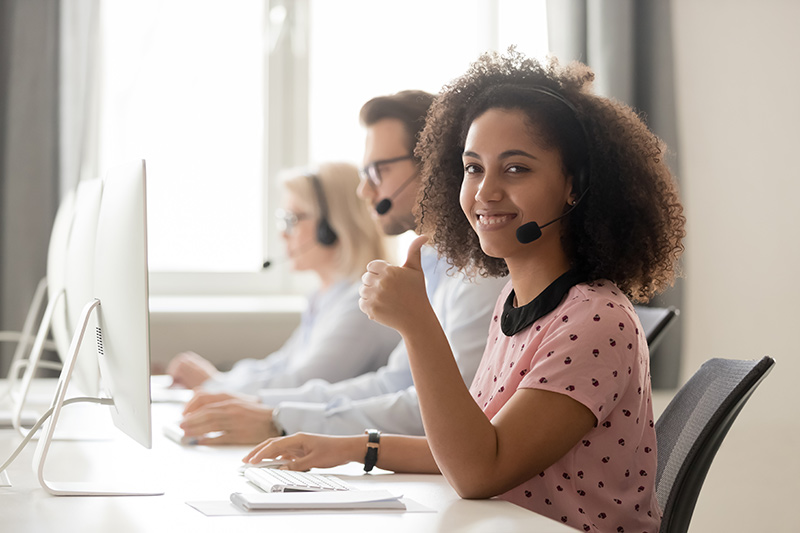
{"x":530,"y":231}
{"x":300,"y":250}
{"x":385,"y":205}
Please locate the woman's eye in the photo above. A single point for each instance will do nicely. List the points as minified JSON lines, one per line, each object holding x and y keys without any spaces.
{"x":471,"y":168}
{"x":516,"y":169}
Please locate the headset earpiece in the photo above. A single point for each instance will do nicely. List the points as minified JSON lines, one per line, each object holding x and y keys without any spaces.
{"x":325,"y":234}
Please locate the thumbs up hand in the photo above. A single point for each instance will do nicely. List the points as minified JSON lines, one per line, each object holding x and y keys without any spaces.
{"x":395,"y":295}
{"x":414,"y":257}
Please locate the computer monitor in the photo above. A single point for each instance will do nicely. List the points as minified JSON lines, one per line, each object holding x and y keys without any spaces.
{"x":121,"y":336}
{"x":70,"y":272}
{"x":56,"y":262}
{"x":121,"y":285}
{"x":79,"y":275}
{"x":49,"y":295}
{"x":50,"y":288}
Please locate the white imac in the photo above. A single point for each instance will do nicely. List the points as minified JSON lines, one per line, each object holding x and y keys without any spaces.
{"x":49,"y":289}
{"x":79,"y":277}
{"x":70,"y":280}
{"x":121,"y":339}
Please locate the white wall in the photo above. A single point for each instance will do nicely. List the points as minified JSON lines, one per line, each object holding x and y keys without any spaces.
{"x":739,"y":124}
{"x":223,"y":330}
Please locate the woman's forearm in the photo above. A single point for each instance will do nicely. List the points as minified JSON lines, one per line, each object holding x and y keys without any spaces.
{"x":404,"y":453}
{"x":460,"y":437}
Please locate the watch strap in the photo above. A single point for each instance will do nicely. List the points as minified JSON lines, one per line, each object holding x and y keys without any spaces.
{"x":373,"y":445}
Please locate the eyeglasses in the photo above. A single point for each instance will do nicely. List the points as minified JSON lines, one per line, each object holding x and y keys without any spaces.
{"x":371,"y":172}
{"x":288,"y":220}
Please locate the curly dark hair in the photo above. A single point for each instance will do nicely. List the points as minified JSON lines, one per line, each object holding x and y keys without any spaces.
{"x":628,"y":226}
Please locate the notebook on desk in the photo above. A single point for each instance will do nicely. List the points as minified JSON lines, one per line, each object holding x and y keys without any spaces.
{"x":332,"y":500}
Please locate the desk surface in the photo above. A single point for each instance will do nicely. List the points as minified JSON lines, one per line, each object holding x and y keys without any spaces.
{"x":210,"y":474}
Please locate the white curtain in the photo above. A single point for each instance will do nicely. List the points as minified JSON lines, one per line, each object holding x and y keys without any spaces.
{"x":79,"y":93}
{"x":628,"y":44}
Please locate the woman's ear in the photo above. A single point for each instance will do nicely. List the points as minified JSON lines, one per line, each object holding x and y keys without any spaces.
{"x":572,"y":198}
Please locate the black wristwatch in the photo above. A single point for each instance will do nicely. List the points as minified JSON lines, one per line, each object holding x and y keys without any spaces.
{"x":373,"y":444}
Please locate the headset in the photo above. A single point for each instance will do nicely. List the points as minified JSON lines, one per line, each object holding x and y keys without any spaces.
{"x":531,"y":231}
{"x":325,"y":234}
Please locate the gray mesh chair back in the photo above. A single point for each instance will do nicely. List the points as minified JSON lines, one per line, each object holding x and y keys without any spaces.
{"x":691,"y":429}
{"x":654,"y":322}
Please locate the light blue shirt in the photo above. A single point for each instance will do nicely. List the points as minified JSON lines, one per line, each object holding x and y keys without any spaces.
{"x":334,"y":341}
{"x":386,"y":399}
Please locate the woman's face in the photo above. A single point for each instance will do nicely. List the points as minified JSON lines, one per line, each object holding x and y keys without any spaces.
{"x":511,"y":178}
{"x":299,"y":235}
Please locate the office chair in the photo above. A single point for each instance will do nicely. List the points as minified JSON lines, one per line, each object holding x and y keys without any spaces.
{"x":691,"y":429}
{"x":655,"y":321}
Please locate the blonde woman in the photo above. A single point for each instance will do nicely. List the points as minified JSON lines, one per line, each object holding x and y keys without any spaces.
{"x":326,"y":230}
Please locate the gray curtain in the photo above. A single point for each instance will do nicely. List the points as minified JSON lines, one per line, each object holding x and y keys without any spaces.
{"x":29,"y":185}
{"x":628,"y":44}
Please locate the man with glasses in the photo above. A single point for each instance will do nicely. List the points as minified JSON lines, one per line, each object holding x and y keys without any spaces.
{"x":386,"y":399}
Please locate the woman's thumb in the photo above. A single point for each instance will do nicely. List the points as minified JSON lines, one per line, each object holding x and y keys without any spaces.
{"x":414,"y":259}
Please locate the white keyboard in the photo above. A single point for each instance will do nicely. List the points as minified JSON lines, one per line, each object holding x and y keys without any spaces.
{"x":275,"y":480}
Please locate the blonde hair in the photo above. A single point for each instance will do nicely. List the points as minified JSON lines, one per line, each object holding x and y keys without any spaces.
{"x":358,"y":238}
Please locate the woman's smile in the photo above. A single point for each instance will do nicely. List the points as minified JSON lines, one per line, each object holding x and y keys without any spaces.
{"x":494,"y":221}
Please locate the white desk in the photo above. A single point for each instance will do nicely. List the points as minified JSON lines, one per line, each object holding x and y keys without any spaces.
{"x":206,"y":473}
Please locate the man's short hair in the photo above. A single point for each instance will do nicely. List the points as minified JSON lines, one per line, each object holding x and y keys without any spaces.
{"x":410,"y":107}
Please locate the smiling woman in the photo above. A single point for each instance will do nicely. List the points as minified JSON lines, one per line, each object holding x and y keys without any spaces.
{"x":558,"y":418}
{"x":505,"y":188}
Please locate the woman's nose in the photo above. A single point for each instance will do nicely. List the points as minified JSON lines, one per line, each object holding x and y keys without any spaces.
{"x":489,"y":188}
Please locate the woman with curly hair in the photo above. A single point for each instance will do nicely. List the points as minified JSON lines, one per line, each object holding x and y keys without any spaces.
{"x":529,"y":173}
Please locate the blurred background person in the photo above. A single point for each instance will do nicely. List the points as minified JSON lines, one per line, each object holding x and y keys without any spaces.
{"x":327,"y":230}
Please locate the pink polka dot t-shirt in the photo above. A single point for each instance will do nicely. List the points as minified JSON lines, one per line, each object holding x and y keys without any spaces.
{"x":591,"y":347}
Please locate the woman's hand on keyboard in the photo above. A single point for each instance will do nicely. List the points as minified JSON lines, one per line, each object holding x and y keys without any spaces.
{"x":306,"y":450}
{"x":235,"y":419}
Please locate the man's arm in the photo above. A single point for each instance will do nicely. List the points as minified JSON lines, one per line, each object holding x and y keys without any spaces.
{"x":397,"y":412}
{"x":393,"y":377}
{"x":465,"y":310}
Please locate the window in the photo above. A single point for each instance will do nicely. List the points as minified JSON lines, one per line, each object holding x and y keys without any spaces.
{"x":183,"y":88}
{"x":217,"y":96}
{"x":362,"y":48}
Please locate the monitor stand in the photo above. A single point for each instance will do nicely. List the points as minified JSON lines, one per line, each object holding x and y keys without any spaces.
{"x":23,"y":339}
{"x":123,"y":488}
{"x":33,"y":363}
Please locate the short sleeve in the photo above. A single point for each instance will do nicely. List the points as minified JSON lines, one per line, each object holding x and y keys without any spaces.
{"x":587,"y":352}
